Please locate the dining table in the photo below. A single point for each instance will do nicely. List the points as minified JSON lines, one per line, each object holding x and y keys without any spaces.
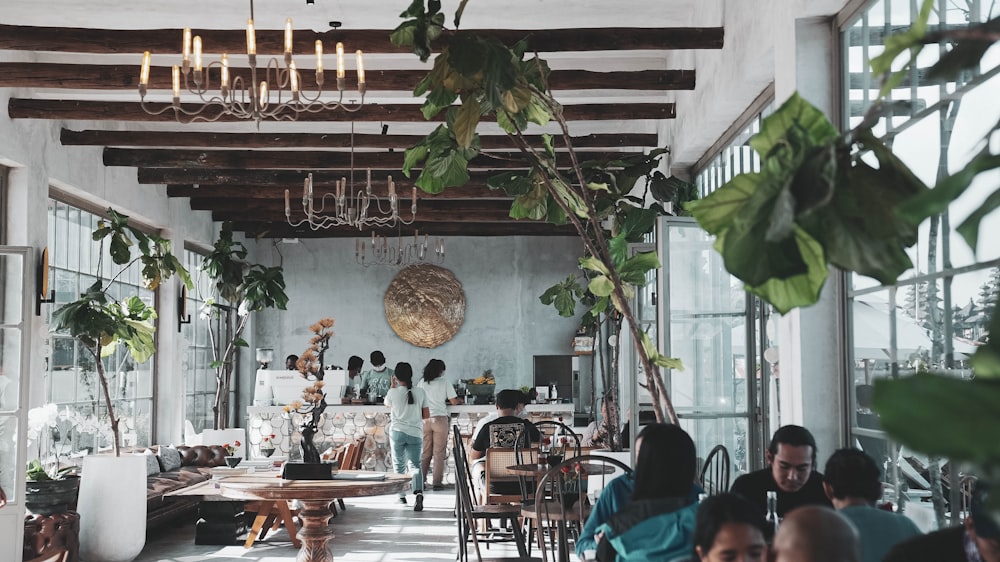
{"x":315,"y":496}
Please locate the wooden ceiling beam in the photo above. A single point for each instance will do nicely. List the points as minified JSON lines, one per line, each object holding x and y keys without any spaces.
{"x":281,"y":229}
{"x":282,"y":178}
{"x":22,"y":108}
{"x":126,"y":77}
{"x":270,"y":42}
{"x":295,"y":159}
{"x":468,"y":191}
{"x":200,"y":139}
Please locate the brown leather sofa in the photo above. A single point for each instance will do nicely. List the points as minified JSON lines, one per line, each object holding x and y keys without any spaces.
{"x":43,"y":534}
{"x":196,"y":465}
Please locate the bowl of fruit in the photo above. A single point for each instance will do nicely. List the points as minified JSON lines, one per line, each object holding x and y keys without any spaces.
{"x":482,"y":388}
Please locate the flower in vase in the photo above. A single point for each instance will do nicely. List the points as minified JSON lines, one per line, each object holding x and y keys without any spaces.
{"x":266,"y":442}
{"x":231,"y":449}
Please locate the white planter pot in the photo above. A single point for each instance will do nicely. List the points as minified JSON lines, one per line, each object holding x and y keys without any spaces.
{"x":112,"y":508}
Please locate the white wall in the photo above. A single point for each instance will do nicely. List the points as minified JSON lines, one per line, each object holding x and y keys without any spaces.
{"x":502,"y":278}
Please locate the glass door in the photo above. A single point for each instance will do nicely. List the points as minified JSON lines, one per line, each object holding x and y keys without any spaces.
{"x":16,"y":276}
{"x":716,"y":329}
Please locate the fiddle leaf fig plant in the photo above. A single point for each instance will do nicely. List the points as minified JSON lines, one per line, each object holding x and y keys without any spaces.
{"x":242,"y":288}
{"x":100,"y":323}
{"x":476,"y":78}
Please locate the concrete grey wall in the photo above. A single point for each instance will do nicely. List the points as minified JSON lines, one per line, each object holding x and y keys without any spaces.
{"x":502,"y":278}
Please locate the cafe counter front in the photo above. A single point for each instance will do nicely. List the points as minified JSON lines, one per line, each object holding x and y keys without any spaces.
{"x":342,"y":423}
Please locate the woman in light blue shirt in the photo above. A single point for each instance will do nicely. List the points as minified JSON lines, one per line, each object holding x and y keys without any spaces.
{"x":408,"y":409}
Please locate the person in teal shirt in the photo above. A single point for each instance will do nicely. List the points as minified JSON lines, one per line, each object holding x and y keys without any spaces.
{"x":853,"y":482}
{"x":376,"y":381}
{"x":650,"y":513}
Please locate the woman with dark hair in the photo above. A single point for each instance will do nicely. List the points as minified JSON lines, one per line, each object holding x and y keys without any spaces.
{"x":408,"y":409}
{"x":728,"y":528}
{"x":658,"y":523}
{"x":440,"y":393}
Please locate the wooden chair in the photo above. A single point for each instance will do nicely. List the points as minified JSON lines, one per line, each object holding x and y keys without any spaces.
{"x":469,"y":512}
{"x":270,"y":516}
{"x":558,"y":432}
{"x":501,"y":485}
{"x":716,"y":471}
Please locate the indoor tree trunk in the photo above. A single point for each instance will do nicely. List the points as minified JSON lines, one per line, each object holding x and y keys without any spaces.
{"x":102,"y":376}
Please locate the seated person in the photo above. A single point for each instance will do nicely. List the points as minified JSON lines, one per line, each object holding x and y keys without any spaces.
{"x":791,"y":459}
{"x":596,"y":434}
{"x":815,"y":533}
{"x":728,"y":527}
{"x":977,"y":540}
{"x":853,"y":483}
{"x":520,"y":412}
{"x":658,"y":522}
{"x":505,"y":431}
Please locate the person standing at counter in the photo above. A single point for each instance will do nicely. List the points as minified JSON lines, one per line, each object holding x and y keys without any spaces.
{"x":291,"y":362}
{"x":440,"y":393}
{"x":354,"y":365}
{"x":375,"y":381}
{"x":407,"y":407}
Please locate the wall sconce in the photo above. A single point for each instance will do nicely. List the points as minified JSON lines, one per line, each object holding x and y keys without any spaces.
{"x":264,"y":356}
{"x":42,"y":293}
{"x":182,"y":316}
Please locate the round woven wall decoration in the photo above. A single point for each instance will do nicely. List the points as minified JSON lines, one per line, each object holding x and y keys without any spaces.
{"x":425,"y":305}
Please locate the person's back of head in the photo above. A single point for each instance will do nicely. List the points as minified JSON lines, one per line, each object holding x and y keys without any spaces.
{"x":508,"y":399}
{"x":433,"y":369}
{"x":736,"y":522}
{"x":377,"y":358}
{"x":794,"y":436}
{"x":815,"y":534}
{"x":665,"y":466}
{"x":850,"y":473}
{"x":355,"y":363}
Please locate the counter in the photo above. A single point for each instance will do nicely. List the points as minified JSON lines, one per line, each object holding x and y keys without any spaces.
{"x":339,"y":423}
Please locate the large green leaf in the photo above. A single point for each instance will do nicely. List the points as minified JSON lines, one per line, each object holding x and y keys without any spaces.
{"x":512,"y":183}
{"x":438,"y":99}
{"x":601,"y":286}
{"x":936,"y":200}
{"x":895,"y":44}
{"x":986,"y":361}
{"x":796,"y":114}
{"x":969,"y":229}
{"x":943,"y":416}
{"x":445,"y":170}
{"x":466,"y":121}
{"x":532,"y":205}
{"x":563,"y":296}
{"x":716,"y":212}
{"x":797,"y":290}
{"x":635,"y":268}
{"x":967,"y":53}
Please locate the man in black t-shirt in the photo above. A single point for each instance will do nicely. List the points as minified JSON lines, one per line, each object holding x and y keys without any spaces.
{"x":791,"y":459}
{"x":505,"y":431}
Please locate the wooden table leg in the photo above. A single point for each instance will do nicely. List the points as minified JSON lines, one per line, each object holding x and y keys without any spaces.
{"x":316,"y":534}
{"x":263,"y":509}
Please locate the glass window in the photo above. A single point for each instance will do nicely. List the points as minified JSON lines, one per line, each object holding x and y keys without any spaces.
{"x":199,"y":378}
{"x":939,"y":310}
{"x":71,"y":376}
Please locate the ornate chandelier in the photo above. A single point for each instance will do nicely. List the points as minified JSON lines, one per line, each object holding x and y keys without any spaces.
{"x":273,"y":91}
{"x":385,"y":252}
{"x":358,"y":208}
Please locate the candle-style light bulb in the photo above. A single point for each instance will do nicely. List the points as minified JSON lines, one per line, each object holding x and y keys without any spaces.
{"x":251,"y":41}
{"x":293,"y":76}
{"x":341,"y":70}
{"x":175,"y":74}
{"x":319,"y":62}
{"x":186,"y":46}
{"x":197,"y":53}
{"x":288,"y":40}
{"x":144,"y":71}
{"x":288,"y":206}
{"x":361,"y":71}
{"x":263,"y":94}
{"x":224,"y":75}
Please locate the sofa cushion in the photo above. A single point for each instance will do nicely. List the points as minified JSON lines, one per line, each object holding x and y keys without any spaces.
{"x":170,"y":458}
{"x":152,"y":463}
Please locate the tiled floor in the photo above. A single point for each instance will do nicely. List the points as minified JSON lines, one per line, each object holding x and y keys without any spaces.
{"x":372,"y":529}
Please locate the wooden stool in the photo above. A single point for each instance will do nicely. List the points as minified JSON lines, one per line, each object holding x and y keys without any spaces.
{"x":270,"y":516}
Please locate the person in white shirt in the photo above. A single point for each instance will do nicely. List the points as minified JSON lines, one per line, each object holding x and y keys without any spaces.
{"x":408,"y":408}
{"x":440,"y":393}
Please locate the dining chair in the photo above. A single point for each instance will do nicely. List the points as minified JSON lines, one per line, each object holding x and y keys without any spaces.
{"x":271,"y":515}
{"x":469,"y":513}
{"x":716,"y":471}
{"x":502,"y":486}
{"x":562,"y":503}
{"x":558,"y":432}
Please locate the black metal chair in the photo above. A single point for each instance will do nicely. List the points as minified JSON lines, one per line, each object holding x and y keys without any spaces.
{"x":716,"y":471}
{"x":560,"y":435}
{"x":469,"y":512}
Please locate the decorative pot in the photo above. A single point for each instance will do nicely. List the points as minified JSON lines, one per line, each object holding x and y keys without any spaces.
{"x":112,"y":508}
{"x":267,"y":452}
{"x":232,"y":461}
{"x":46,"y":497}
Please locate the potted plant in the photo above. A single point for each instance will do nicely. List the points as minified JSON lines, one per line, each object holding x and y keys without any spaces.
{"x":50,"y":488}
{"x":241,"y":288}
{"x":232,"y":460}
{"x":112,"y":502}
{"x":489,"y":78}
{"x":267,"y":445}
{"x":312,"y":405}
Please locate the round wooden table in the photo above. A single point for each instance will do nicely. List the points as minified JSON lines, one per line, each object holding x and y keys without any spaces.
{"x":315,"y":496}
{"x":532,"y":469}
